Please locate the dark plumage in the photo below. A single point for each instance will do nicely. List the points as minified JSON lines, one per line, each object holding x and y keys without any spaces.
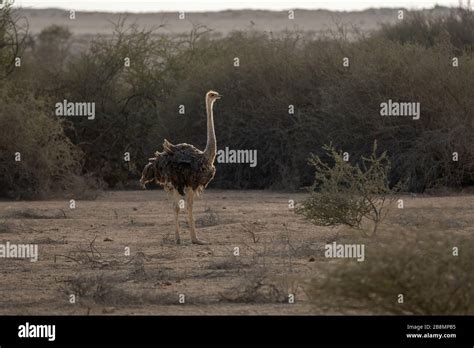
{"x":179,"y":166}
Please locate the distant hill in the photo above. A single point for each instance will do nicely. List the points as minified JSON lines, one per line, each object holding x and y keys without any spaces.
{"x":88,"y":23}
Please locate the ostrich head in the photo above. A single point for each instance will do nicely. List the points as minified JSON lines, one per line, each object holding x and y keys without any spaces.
{"x":213,"y":96}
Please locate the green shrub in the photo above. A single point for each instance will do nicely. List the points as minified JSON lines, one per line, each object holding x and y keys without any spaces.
{"x":48,"y":161}
{"x":420,"y":266}
{"x":347,"y":194}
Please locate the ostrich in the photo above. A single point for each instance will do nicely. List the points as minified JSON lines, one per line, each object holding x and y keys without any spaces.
{"x":184,"y":170}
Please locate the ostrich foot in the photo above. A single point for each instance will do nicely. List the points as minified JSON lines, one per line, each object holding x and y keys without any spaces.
{"x":200,"y":242}
{"x":178,"y":241}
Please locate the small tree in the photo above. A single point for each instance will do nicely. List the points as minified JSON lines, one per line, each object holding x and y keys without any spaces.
{"x":13,"y":32}
{"x":349,"y":194}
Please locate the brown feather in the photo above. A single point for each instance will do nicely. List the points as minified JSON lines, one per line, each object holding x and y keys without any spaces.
{"x":179,"y":166}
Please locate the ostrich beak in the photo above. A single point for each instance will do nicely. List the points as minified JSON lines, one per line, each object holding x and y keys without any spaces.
{"x":219,"y":96}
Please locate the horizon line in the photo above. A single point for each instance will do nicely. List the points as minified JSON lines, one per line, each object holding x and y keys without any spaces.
{"x":235,"y":10}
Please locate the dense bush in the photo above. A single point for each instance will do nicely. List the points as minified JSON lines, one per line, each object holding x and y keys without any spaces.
{"x":332,"y":104}
{"x":36,"y":157}
{"x":457,"y":28}
{"x":137,"y":106}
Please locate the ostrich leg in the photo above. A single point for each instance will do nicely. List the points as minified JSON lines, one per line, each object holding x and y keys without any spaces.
{"x":190,"y":199}
{"x":176,"y":215}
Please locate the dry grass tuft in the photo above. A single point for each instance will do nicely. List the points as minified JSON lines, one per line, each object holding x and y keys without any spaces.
{"x":258,"y":288}
{"x":211,"y":218}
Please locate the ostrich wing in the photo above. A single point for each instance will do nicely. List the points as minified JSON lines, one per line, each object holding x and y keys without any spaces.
{"x":183,"y":165}
{"x":182,"y":153}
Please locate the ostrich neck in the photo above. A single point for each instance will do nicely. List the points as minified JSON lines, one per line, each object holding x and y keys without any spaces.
{"x":211,"y":147}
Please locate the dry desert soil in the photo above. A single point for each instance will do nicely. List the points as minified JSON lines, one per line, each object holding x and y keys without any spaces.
{"x":82,"y":252}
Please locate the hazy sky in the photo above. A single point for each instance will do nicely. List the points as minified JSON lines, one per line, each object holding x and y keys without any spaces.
{"x":215,"y":5}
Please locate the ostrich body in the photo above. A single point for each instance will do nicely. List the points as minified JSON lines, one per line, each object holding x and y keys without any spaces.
{"x":185,"y":170}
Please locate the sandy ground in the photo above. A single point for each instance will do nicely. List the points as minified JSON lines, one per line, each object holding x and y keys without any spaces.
{"x":82,"y":252}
